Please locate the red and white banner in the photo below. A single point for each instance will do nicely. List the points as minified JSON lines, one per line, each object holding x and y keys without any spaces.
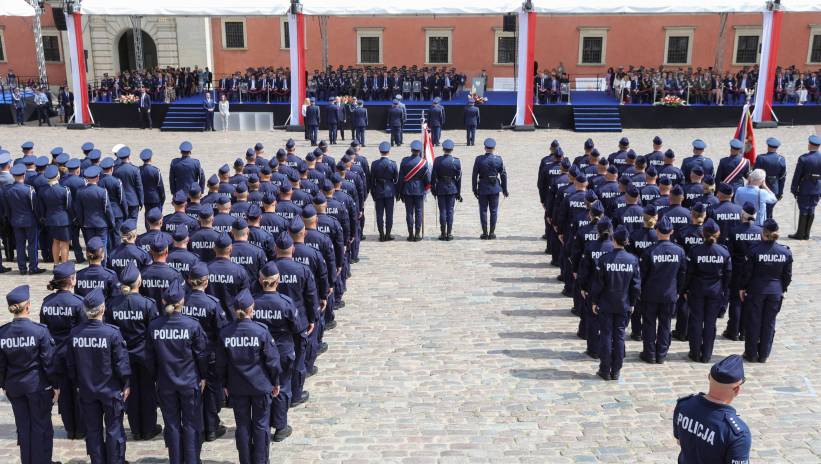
{"x":770,"y":40}
{"x":79,"y":85}
{"x":744,"y":132}
{"x":427,"y":150}
{"x":524,"y":75}
{"x":296,"y":31}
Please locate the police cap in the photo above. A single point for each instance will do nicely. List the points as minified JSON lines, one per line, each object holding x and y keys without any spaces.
{"x":770,"y":225}
{"x":56,"y":151}
{"x":239,"y":224}
{"x":699,"y":144}
{"x":174,"y":293}
{"x":94,"y":155}
{"x":384,"y":147}
{"x":710,"y":226}
{"x":18,"y":170}
{"x":186,"y":147}
{"x":95,"y":244}
{"x":284,"y":241}
{"x":223,"y":241}
{"x":198,"y":270}
{"x":665,"y":226}
{"x":41,"y":161}
{"x":244,"y":300}
{"x":146,"y":154}
{"x":128,"y":225}
{"x":308,"y":212}
{"x":94,"y":298}
{"x":18,"y":295}
{"x":416,"y":145}
{"x":123,"y":152}
{"x":180,"y":233}
{"x":92,"y":172}
{"x":447,"y":144}
{"x":725,"y":188}
{"x":729,"y":370}
{"x":64,"y":270}
{"x":153,"y":215}
{"x":130,"y":273}
{"x":490,"y":143}
{"x":51,"y":172}
{"x":106,"y":163}
{"x":736,"y":144}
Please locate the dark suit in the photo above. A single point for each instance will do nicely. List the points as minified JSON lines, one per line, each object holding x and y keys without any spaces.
{"x":312,"y":122}
{"x":332,"y":118}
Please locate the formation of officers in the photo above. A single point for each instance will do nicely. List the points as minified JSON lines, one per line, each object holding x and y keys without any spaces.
{"x":640,"y":240}
{"x":225,"y":301}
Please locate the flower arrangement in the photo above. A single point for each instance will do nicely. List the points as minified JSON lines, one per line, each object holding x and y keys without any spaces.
{"x":671,"y":100}
{"x":477,"y":99}
{"x":127,"y":99}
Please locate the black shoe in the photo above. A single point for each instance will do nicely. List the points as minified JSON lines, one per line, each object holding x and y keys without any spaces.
{"x":614,"y":375}
{"x":330,"y":325}
{"x":157,"y":430}
{"x":591,"y":354}
{"x":364,"y":237}
{"x":566,"y":292}
{"x":575,"y":312}
{"x":314,"y":370}
{"x":381,"y":237}
{"x":282,"y":434}
{"x":741,"y":337}
{"x":37,"y":271}
{"x":417,"y":237}
{"x":544,"y":237}
{"x":492,"y":236}
{"x":679,"y":337}
{"x":80,"y":261}
{"x":554,"y":263}
{"x":304,"y":399}
{"x":4,"y":269}
{"x":646,"y":358}
{"x":603,"y":375}
{"x":354,"y":260}
{"x":749,"y":358}
{"x":581,"y":335}
{"x":389,"y":238}
{"x":660,"y":360}
{"x":23,"y":272}
{"x":547,"y":251}
{"x":762,"y":360}
{"x":71,"y":435}
{"x":483,"y":237}
{"x":694,"y":357}
{"x":726,"y":335}
{"x":212,"y":436}
{"x":410,"y":238}
{"x":443,"y":237}
{"x":560,"y":278}
{"x":79,"y":435}
{"x":449,"y":237}
{"x":323,"y":347}
{"x":635,"y":336}
{"x":705,"y":359}
{"x":341,"y":304}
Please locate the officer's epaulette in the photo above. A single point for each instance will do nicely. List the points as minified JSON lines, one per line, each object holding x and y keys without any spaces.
{"x":735,"y":423}
{"x":111,"y":326}
{"x":41,"y":325}
{"x":261,"y":325}
{"x":215,"y":299}
{"x":286,"y":297}
{"x":685,"y":397}
{"x":150,"y":299}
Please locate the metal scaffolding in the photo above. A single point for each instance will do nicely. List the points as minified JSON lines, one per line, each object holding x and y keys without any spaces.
{"x":137,"y":32}
{"x":38,"y":41}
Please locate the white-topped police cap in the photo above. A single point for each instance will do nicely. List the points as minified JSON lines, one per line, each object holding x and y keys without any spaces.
{"x":699,"y":144}
{"x":773,"y":142}
{"x":490,"y":143}
{"x":736,"y":144}
{"x":18,"y":170}
{"x":416,"y":145}
{"x":88,"y":146}
{"x":447,"y":144}
{"x":186,"y":146}
{"x":51,"y":171}
{"x":116,"y":148}
{"x":27,"y":145}
{"x":124,"y":152}
{"x":146,"y":154}
{"x":814,"y":140}
{"x":92,"y":172}
{"x":384,"y":147}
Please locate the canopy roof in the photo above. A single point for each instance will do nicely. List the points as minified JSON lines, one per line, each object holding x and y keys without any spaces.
{"x":604,"y":7}
{"x":185,"y":7}
{"x":415,"y":7}
{"x":16,"y":8}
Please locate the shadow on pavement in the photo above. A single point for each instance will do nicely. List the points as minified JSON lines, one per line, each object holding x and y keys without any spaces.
{"x":539,"y":335}
{"x":551,"y":374}
{"x":538,"y":313}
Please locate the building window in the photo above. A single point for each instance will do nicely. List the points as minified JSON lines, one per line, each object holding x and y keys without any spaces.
{"x":52,"y":51}
{"x":284,"y":33}
{"x":504,"y":47}
{"x":437,"y":46}
{"x":369,"y":46}
{"x":233,"y":34}
{"x":747,"y":49}
{"x":814,"y":54}
{"x":2,"y":46}
{"x":592,"y":46}
{"x":678,"y":45}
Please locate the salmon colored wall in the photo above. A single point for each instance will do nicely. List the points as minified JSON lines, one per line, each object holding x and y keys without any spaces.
{"x":18,"y":38}
{"x":262,"y":47}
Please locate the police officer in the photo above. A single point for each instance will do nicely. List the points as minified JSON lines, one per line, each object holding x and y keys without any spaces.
{"x":312,"y":121}
{"x":55,"y":205}
{"x":179,"y":257}
{"x":698,"y":159}
{"x":396,"y":119}
{"x":132,"y":182}
{"x":619,"y":157}
{"x":743,"y":237}
{"x":153,"y":188}
{"x":706,"y":426}
{"x":131,"y":313}
{"x":471,"y":120}
{"x":154,"y":219}
{"x":436,"y":120}
{"x":179,"y":217}
{"x":806,"y":187}
{"x":767,"y":274}
{"x":656,"y":157}
{"x":733,"y":169}
{"x":669,"y":171}
{"x":127,"y":252}
{"x":61,"y":312}
{"x":96,"y":275}
{"x":27,"y":357}
{"x":225,"y":277}
{"x":360,"y":122}
{"x":185,"y":170}
{"x":249,"y":365}
{"x":663,"y":274}
{"x":726,"y":214}
{"x":158,"y":275}
{"x":775,"y":167}
{"x":333,"y":115}
{"x":488,"y":180}
{"x":597,"y":241}
{"x":97,"y":361}
{"x":93,"y":208}
{"x":244,"y":253}
{"x":446,"y":186}
{"x":21,"y":207}
{"x":285,"y":324}
{"x":709,"y":269}
{"x":414,"y":173}
{"x":384,"y":176}
{"x":615,"y":291}
{"x":177,"y":356}
{"x":116,"y":198}
{"x":201,"y":242}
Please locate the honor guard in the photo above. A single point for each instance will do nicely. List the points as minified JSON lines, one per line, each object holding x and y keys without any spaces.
{"x":97,"y":362}
{"x":153,"y":188}
{"x":179,"y":258}
{"x":96,"y":275}
{"x":663,"y":274}
{"x":775,"y":167}
{"x":446,"y":186}
{"x":21,"y":206}
{"x":61,"y":312}
{"x":697,"y":159}
{"x":766,"y":276}
{"x":414,"y":173}
{"x":225,"y":277}
{"x":806,"y":187}
{"x":132,"y":181}
{"x":384,"y":177}
{"x":131,"y":313}
{"x":185,"y":170}
{"x":360,"y":122}
{"x":312,"y":121}
{"x":706,"y":426}
{"x":177,"y":356}
{"x":488,"y":180}
{"x":158,"y":275}
{"x":27,"y":375}
{"x":733,"y":169}
{"x":249,"y":366}
{"x":743,"y":236}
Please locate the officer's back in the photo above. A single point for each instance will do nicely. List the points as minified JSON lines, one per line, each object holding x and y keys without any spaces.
{"x":446,"y":178}
{"x":98,"y":360}
{"x":489,"y":174}
{"x":384,"y":176}
{"x":415,"y":185}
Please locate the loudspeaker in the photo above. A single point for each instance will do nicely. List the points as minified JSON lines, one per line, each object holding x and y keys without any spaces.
{"x":509,"y":23}
{"x":59,"y":19}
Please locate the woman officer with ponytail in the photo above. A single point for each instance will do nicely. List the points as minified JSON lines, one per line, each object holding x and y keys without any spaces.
{"x":176,"y":353}
{"x":26,"y":374}
{"x":131,"y":313}
{"x":61,"y":312}
{"x":249,"y":366}
{"x":593,"y":250}
{"x":640,"y":240}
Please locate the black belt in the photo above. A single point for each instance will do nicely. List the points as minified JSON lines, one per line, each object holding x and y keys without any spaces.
{"x":811,"y":177}
{"x":446,"y":178}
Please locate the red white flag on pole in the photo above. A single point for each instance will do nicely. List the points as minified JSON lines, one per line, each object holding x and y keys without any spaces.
{"x":744,"y":132}
{"x":427,"y":150}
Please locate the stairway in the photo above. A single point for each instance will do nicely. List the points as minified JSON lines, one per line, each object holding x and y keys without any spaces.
{"x":184,"y":118}
{"x":413,"y":121}
{"x":596,"y":118}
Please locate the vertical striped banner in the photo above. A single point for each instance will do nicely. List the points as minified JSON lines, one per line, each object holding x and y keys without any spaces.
{"x":79,"y":85}
{"x":771,"y":39}
{"x":296,"y":32}
{"x":524,"y":73}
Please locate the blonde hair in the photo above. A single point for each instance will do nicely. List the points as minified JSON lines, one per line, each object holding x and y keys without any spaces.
{"x":243,"y":313}
{"x":92,"y":313}
{"x":196,"y":283}
{"x":270,"y":282}
{"x":173,"y":308}
{"x":18,"y":308}
{"x":94,"y":256}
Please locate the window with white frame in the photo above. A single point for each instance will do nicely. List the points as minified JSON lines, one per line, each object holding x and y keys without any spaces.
{"x":814,"y":52}
{"x":233,"y":33}
{"x":52,"y":46}
{"x":504,"y":46}
{"x":592,"y":45}
{"x":284,"y":33}
{"x":369,"y":45}
{"x":678,"y":45}
{"x":2,"y":45}
{"x":437,"y":45}
{"x":747,"y":45}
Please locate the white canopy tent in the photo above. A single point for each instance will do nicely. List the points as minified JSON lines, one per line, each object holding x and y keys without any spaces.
{"x":16,"y":8}
{"x":409,"y":8}
{"x":185,"y":7}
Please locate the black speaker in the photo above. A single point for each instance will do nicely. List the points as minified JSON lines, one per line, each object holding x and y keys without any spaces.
{"x":509,"y":23}
{"x":59,"y":19}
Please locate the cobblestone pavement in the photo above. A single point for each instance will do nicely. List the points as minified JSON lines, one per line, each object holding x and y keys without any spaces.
{"x":465,"y":351}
